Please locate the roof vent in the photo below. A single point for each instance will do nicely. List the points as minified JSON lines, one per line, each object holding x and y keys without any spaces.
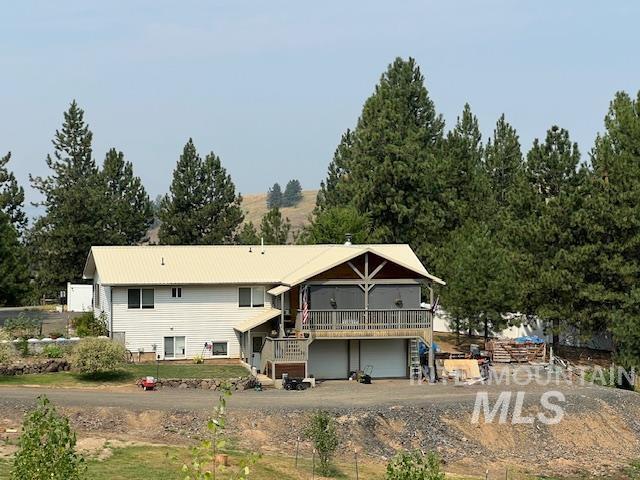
{"x":347,"y":237}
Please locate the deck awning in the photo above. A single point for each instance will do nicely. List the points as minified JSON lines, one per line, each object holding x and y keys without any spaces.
{"x":259,"y":319}
{"x":278,"y":290}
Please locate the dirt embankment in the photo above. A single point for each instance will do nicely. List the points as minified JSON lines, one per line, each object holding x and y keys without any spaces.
{"x":599,"y":434}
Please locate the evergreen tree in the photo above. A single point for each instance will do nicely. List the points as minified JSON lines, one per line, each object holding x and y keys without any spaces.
{"x":462,"y":181}
{"x":248,"y":235}
{"x":394,"y":149}
{"x":12,"y":196}
{"x":274,"y":196}
{"x":605,"y":263}
{"x":503,"y":163}
{"x":274,"y":229}
{"x":481,"y":285}
{"x":202,"y":207}
{"x":331,"y":225}
{"x":73,"y":200}
{"x":14,"y":275}
{"x":337,"y":190}
{"x":292,"y":193}
{"x":129,"y":212}
{"x":553,"y":177}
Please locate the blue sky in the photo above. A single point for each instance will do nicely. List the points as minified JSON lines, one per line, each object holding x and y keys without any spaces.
{"x":270,"y":86}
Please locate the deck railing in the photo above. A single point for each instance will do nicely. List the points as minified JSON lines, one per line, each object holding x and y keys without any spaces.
{"x":364,"y":320}
{"x":285,"y":349}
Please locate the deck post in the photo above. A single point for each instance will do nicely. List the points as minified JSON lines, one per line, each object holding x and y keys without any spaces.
{"x":432,"y":357}
{"x":281,"y":333}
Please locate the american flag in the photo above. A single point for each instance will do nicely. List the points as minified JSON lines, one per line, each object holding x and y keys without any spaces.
{"x":305,"y":304}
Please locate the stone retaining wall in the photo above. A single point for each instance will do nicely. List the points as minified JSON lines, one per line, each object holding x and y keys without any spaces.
{"x":240,"y":383}
{"x":42,"y":366}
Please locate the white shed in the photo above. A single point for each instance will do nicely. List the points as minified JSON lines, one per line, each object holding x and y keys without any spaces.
{"x":79,"y":297}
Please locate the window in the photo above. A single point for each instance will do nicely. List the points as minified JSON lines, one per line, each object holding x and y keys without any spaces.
{"x":219,"y":349}
{"x":96,"y":295}
{"x":176,"y":292}
{"x":174,"y":347}
{"x":134,"y":298}
{"x":251,"y":296}
{"x":140,"y":297}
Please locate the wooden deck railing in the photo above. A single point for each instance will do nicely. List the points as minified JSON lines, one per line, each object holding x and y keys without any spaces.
{"x":366,"y":320}
{"x":285,"y":349}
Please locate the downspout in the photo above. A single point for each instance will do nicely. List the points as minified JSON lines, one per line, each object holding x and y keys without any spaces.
{"x":111,"y":312}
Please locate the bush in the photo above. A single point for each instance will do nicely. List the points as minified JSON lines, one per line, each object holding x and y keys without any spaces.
{"x":53,"y":351}
{"x":97,"y":356}
{"x":23,"y":326}
{"x":322,"y":432}
{"x":415,"y":466}
{"x":47,"y":447}
{"x":7,"y":353}
{"x":87,"y":325}
{"x":198,"y":359}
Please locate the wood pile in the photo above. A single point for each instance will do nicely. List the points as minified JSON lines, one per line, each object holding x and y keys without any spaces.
{"x":510,"y":351}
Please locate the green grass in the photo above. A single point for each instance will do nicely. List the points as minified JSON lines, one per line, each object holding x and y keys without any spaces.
{"x":127,"y":376}
{"x":146,"y":463}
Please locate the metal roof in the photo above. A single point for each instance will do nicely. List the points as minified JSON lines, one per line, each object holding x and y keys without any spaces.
{"x":258,"y":319}
{"x":233,"y":264}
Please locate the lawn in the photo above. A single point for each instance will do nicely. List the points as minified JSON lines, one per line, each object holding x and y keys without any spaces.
{"x":146,"y":463}
{"x":127,"y":376}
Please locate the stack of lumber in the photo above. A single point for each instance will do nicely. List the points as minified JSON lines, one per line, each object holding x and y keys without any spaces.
{"x":510,"y":351}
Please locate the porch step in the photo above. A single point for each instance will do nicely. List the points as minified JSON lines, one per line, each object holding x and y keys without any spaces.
{"x":266,"y":381}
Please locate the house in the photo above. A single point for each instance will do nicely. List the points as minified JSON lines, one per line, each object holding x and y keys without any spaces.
{"x":321,"y":310}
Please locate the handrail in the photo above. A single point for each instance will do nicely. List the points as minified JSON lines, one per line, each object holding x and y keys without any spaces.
{"x":362,"y":319}
{"x":285,"y":350}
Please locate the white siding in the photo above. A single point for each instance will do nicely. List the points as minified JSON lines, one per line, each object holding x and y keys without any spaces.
{"x":105,"y":300}
{"x":203,"y":314}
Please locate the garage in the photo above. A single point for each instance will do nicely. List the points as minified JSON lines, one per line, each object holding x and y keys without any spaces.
{"x":388,"y":357}
{"x":333,"y":359}
{"x":329,"y":359}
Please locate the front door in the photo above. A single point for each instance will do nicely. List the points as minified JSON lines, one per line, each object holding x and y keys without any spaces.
{"x":257,"y":340}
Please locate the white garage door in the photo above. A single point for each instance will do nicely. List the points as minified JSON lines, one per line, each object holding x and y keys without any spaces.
{"x":388,"y":357}
{"x":328,"y":359}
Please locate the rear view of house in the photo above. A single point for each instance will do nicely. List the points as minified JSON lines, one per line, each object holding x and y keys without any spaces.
{"x":321,"y":310}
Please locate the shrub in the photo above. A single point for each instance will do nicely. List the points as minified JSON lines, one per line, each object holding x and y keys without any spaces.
{"x":23,"y":326}
{"x":204,"y":463}
{"x":98,"y":355}
{"x":23,"y":347}
{"x":322,"y":432}
{"x":414,"y":466}
{"x":87,"y":325}
{"x":7,"y":353}
{"x":53,"y":351}
{"x":47,"y":447}
{"x":198,"y":359}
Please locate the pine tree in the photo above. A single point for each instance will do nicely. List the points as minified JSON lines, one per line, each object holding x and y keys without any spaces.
{"x":72,"y":198}
{"x":553,"y":177}
{"x":14,"y":275}
{"x":605,"y":264}
{"x":248,"y":235}
{"x":503,"y":162}
{"x":129,"y":212}
{"x":202,"y":207}
{"x":332,"y":225}
{"x":394,"y":147}
{"x":274,"y":229}
{"x":481,"y":285}
{"x":463,"y":183}
{"x":292,"y":193}
{"x":12,"y":196}
{"x":274,"y":196}
{"x":336,"y":190}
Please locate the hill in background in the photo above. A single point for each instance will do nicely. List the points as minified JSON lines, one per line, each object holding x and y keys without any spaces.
{"x":254,"y":207}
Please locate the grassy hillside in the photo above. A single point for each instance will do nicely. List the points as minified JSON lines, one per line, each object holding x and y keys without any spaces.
{"x":255,"y":206}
